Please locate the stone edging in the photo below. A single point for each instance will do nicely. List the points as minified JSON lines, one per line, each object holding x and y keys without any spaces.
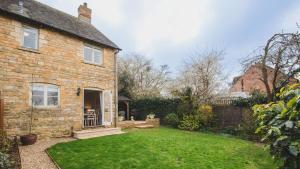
{"x":56,"y":165}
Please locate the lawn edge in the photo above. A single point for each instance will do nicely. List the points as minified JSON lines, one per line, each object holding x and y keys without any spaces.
{"x":55,"y":163}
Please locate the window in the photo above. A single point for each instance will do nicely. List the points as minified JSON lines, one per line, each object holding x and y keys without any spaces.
{"x":30,"y":38}
{"x":45,"y":95}
{"x":93,"y":55}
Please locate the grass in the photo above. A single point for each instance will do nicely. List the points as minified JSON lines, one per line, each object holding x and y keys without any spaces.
{"x":162,"y":148}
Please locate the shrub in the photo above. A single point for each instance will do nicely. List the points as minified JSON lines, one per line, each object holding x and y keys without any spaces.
{"x":5,"y":161}
{"x":160,"y":106}
{"x":256,"y":97}
{"x":5,"y":147}
{"x":5,"y":143}
{"x":206,"y":114}
{"x":279,"y":124}
{"x":190,"y":122}
{"x":172,"y":119}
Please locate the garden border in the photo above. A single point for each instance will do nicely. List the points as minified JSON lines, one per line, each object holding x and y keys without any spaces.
{"x":55,"y":163}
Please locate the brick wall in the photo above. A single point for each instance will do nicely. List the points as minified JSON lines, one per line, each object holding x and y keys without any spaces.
{"x":250,"y":80}
{"x":59,"y":61}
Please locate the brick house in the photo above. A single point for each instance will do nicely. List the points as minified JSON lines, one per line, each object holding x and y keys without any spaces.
{"x":57,"y":67}
{"x":250,"y":80}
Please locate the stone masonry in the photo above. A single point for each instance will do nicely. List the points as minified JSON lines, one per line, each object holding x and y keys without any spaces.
{"x":59,"y":61}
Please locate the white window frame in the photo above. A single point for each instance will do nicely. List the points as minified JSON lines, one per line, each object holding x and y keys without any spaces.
{"x":45,"y":86}
{"x":93,"y":57}
{"x":36,"y":31}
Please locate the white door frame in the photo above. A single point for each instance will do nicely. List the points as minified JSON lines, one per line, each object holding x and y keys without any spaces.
{"x":110,"y":108}
{"x":101,"y":103}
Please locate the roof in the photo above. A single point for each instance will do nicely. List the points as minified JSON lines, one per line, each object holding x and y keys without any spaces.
{"x":258,"y":65}
{"x":123,"y":98}
{"x":48,"y":16}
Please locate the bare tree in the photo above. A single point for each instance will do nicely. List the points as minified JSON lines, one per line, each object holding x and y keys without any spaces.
{"x":282,"y":54}
{"x":202,"y":73}
{"x":138,"y":77}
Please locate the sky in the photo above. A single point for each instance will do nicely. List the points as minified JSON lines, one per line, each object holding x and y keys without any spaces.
{"x":169,"y":31}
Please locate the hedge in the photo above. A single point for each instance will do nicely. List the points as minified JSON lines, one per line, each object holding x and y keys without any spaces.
{"x":159,"y":106}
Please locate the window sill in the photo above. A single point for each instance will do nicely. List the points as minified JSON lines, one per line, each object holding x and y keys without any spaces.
{"x":94,"y":64}
{"x":29,"y":50}
{"x":46,"y":108}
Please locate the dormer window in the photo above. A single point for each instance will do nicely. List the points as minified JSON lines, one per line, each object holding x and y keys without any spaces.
{"x":30,"y":38}
{"x":93,"y":55}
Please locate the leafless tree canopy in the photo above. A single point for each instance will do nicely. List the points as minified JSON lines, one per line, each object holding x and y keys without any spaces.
{"x":138,"y":77}
{"x":202,"y":73}
{"x":282,"y":53}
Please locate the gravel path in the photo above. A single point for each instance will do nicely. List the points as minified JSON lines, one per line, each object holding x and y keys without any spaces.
{"x":35,"y":157}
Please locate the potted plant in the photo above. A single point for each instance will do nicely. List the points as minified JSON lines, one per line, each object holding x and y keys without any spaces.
{"x":151,"y":116}
{"x":29,"y":138}
{"x":121,"y":115}
{"x":121,"y":118}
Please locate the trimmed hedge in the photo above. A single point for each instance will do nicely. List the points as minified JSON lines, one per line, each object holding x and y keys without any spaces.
{"x":159,"y":106}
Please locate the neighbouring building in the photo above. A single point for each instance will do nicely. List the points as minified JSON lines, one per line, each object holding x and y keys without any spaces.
{"x":243,"y":85}
{"x":57,"y":67}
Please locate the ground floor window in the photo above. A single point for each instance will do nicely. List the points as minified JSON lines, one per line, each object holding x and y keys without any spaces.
{"x":44,"y":95}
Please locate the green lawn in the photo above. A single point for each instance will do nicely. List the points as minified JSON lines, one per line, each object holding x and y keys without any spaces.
{"x":161,"y":148}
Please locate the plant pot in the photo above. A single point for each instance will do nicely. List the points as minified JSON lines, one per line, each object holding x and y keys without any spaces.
{"x":28,"y":139}
{"x":121,"y":118}
{"x":151,"y":116}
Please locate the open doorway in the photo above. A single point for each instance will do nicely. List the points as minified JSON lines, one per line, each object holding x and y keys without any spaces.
{"x":92,"y":108}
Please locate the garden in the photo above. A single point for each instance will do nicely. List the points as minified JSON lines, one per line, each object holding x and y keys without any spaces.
{"x":162,"y":148}
{"x":190,"y":142}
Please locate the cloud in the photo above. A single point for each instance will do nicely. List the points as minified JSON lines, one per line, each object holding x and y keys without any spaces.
{"x":107,"y":11}
{"x":170,"y":21}
{"x":290,"y":18}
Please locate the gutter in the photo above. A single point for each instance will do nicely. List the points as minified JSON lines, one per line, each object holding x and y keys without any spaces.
{"x":116,"y":87}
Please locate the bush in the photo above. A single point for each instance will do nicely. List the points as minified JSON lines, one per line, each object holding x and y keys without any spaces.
{"x":279,"y":124}
{"x":5,"y":161}
{"x":5,"y":143}
{"x":5,"y":148}
{"x":160,"y":106}
{"x":172,"y":119}
{"x":256,"y":98}
{"x":206,"y":114}
{"x":190,"y":122}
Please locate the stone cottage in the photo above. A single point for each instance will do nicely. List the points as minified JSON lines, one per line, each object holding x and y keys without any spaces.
{"x":56,"y":67}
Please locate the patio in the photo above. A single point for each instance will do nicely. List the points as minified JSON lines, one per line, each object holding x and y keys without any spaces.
{"x":148,"y":123}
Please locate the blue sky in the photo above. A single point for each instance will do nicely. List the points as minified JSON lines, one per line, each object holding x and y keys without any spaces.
{"x":168,"y":31}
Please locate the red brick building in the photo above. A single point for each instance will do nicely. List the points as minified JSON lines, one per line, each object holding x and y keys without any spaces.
{"x":250,"y":80}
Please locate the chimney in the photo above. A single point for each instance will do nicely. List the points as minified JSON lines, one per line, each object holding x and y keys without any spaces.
{"x":84,"y":13}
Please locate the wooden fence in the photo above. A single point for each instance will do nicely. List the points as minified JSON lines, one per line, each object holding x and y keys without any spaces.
{"x":229,"y":115}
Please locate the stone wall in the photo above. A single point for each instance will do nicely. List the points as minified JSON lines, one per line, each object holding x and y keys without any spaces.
{"x":155,"y":122}
{"x":59,"y":61}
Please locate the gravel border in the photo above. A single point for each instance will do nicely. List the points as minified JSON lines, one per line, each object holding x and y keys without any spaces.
{"x":35,"y":156}
{"x":53,"y":161}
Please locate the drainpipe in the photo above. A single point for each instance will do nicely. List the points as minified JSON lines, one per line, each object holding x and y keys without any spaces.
{"x":116,"y":87}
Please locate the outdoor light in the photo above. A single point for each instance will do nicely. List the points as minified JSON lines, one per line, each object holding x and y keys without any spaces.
{"x":78,"y":91}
